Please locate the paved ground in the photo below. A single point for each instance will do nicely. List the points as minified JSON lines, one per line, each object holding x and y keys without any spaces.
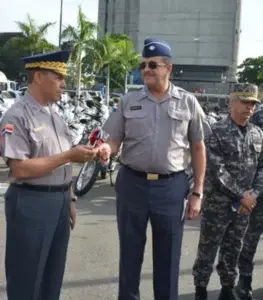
{"x":93,"y":253}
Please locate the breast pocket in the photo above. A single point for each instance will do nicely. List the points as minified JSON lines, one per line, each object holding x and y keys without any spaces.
{"x":255,"y":150}
{"x":41,"y":144}
{"x":257,"y":147}
{"x":136,"y":124}
{"x":179,"y":123}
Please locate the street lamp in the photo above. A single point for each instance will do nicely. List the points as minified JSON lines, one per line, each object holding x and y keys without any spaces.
{"x":60,"y":23}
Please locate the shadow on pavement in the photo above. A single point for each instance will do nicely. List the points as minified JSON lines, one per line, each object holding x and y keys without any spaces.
{"x":212,"y":295}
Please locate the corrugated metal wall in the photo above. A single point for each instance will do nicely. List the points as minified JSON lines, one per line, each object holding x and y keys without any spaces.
{"x":201,"y":32}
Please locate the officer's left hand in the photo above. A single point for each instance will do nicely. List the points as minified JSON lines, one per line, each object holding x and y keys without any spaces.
{"x":73,"y":214}
{"x":193,"y":207}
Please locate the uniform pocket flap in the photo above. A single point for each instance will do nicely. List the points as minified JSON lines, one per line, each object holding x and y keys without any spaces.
{"x":179,"y":115}
{"x":135,"y":114}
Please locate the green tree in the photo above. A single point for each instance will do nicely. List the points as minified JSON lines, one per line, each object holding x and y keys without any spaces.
{"x":10,"y":58}
{"x":114,"y":55}
{"x":33,"y":38}
{"x":128,"y":58}
{"x":251,"y":70}
{"x":81,"y":40}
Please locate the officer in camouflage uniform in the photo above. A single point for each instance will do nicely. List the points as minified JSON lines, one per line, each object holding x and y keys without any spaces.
{"x":250,"y":242}
{"x":234,"y":179}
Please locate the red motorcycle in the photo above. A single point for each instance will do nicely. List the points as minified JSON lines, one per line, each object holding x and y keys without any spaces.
{"x":90,"y":170}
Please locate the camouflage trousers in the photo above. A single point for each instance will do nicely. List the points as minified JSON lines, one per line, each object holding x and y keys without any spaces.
{"x":251,"y":239}
{"x":222,"y":229}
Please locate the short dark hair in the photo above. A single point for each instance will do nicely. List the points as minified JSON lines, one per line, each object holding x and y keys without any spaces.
{"x":167,"y":60}
{"x":30,"y":76}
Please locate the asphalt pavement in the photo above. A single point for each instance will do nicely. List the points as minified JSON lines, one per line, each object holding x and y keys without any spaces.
{"x":92,"y":268}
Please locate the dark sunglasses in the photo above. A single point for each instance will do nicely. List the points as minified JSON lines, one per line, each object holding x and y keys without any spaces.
{"x":151,"y":65}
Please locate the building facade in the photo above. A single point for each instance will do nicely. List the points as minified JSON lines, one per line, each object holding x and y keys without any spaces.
{"x":204,"y":35}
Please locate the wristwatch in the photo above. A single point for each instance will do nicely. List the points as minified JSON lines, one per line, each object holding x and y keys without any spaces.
{"x":74,"y":199}
{"x":198,"y":195}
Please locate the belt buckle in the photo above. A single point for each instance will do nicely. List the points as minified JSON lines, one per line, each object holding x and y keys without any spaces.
{"x":152,"y":176}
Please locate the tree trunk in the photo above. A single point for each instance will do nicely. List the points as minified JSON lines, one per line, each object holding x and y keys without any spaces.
{"x":107,"y":94}
{"x":79,"y":78}
{"x":126,"y":83}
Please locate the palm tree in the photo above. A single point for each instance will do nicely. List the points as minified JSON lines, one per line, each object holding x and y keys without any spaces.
{"x":112,"y":49}
{"x":108,"y":52}
{"x":82,"y":40}
{"x":128,"y":58}
{"x":32,"y":39}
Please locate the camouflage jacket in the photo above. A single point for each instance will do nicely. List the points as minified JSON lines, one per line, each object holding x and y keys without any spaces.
{"x":257,"y":118}
{"x":234,"y":159}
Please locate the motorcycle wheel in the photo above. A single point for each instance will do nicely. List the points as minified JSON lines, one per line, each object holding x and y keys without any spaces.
{"x":86,"y":178}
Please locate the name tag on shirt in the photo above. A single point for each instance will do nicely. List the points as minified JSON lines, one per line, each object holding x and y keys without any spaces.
{"x":137,"y":107}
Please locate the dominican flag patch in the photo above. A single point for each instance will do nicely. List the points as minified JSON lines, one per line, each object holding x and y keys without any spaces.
{"x":8,"y":129}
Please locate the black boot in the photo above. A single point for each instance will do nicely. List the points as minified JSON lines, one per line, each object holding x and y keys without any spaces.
{"x":200,"y":293}
{"x":244,"y":288}
{"x":228,"y":293}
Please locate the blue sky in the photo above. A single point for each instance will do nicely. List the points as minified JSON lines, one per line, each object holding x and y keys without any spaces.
{"x":251,"y":39}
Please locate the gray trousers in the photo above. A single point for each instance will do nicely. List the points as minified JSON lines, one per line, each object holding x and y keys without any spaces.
{"x":220,"y":229}
{"x":37,"y":238}
{"x":161,"y":202}
{"x":251,"y":239}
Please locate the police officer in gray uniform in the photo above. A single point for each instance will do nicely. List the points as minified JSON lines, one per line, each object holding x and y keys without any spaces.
{"x":234,"y":179}
{"x":161,"y":128}
{"x":252,"y":236}
{"x":39,"y":203}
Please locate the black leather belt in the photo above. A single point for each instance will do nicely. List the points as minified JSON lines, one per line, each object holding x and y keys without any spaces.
{"x":152,"y":176}
{"x":43,"y":188}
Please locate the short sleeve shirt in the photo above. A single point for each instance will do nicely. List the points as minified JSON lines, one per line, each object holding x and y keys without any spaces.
{"x":156,"y":135}
{"x":29,"y":130}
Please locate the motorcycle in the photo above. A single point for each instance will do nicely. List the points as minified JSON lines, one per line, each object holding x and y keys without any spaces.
{"x":76,"y":120}
{"x":3,"y":107}
{"x":90,"y":170}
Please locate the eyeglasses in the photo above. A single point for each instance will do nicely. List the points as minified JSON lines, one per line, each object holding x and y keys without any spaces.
{"x":151,"y":65}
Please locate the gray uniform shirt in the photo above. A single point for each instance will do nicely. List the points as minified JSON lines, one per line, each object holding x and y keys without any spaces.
{"x":156,"y":134}
{"x":37,"y":132}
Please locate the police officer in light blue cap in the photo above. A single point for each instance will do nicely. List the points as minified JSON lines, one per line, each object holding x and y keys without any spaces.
{"x":161,"y":130}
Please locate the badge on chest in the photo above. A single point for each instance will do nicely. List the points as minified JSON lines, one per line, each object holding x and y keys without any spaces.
{"x":136,"y":107}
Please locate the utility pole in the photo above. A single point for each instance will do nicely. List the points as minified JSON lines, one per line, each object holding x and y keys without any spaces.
{"x":60,"y":23}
